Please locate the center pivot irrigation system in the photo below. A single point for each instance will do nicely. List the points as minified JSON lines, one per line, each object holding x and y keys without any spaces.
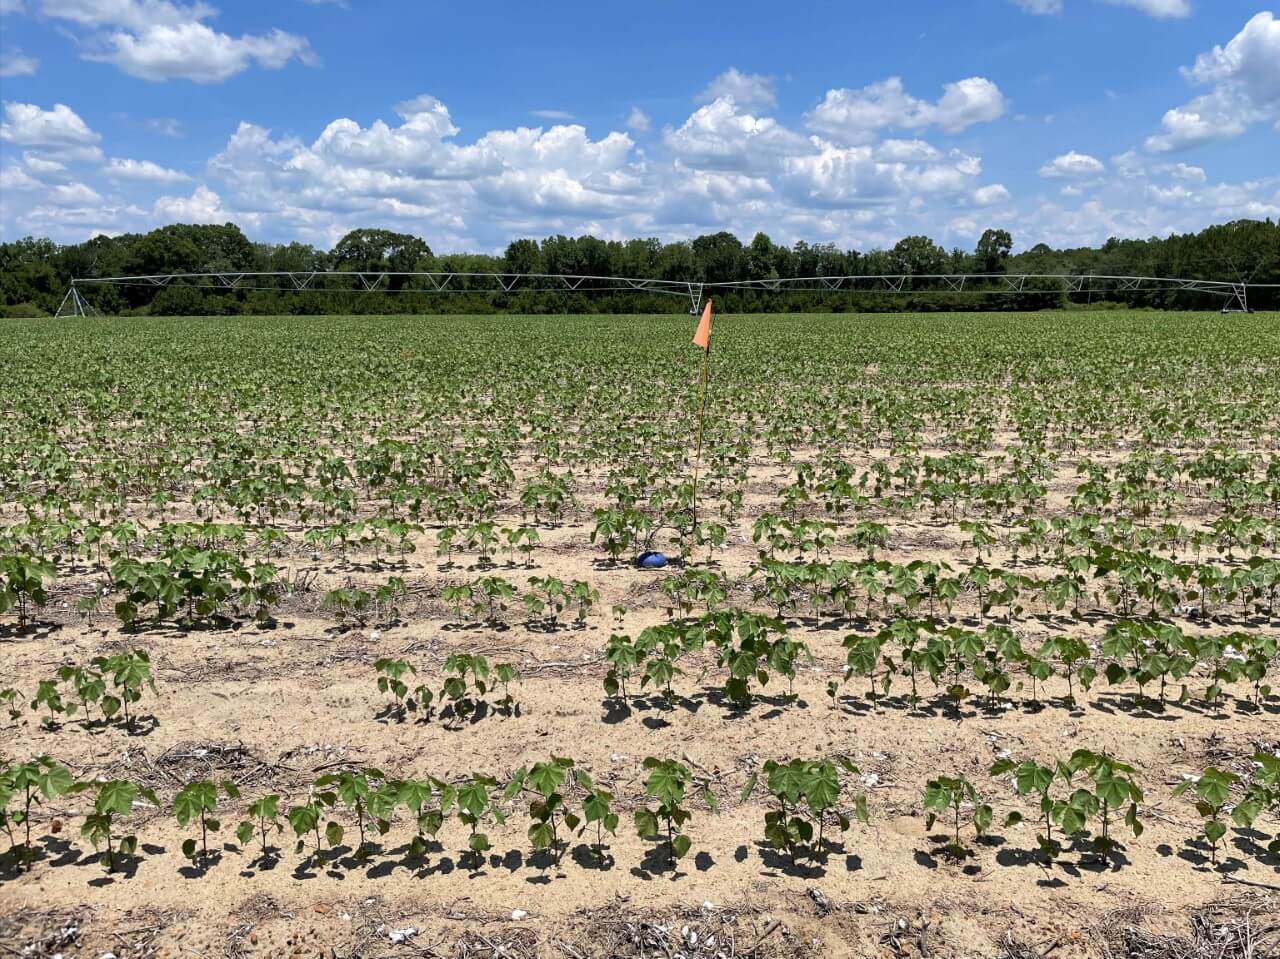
{"x":1235,"y":295}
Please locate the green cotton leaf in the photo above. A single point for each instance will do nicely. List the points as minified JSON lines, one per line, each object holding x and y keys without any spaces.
{"x":1214,"y":830}
{"x":244,"y":833}
{"x":1131,"y":819}
{"x":666,"y":782}
{"x":936,"y":797}
{"x":1032,"y":777}
{"x":982,"y":817}
{"x":860,"y":810}
{"x":413,"y":794}
{"x":193,"y":800}
{"x":680,"y":846}
{"x":546,"y":778}
{"x":54,"y":780}
{"x":1215,"y":786}
{"x":1111,"y":789}
{"x":303,"y":819}
{"x":1071,"y":819}
{"x":478,"y":842}
{"x":117,"y":797}
{"x":1245,"y":814}
{"x":646,"y":823}
{"x":189,"y":848}
{"x":775,"y":834}
{"x":333,"y":833}
{"x":473,"y":798}
{"x":541,"y":835}
{"x":430,"y":822}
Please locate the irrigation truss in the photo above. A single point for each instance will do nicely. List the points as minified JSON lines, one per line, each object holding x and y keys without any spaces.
{"x":1234,"y":295}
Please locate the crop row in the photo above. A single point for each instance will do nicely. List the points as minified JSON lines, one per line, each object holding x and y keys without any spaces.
{"x":1082,"y":796}
{"x":751,"y":649}
{"x":195,"y":583}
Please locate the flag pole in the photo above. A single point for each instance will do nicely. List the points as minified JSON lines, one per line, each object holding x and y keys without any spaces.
{"x":702,"y":406}
{"x":702,"y":414}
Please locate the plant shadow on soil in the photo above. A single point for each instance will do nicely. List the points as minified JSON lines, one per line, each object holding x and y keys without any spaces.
{"x":1199,"y":852}
{"x":779,"y":861}
{"x":31,"y":631}
{"x":657,"y":863}
{"x":618,"y":710}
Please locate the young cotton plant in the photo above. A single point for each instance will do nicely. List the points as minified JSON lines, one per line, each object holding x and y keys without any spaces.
{"x":26,"y":785}
{"x":1114,"y":786}
{"x":549,"y":808}
{"x":1212,"y":792}
{"x":806,"y":794}
{"x":429,"y":801}
{"x":264,"y":812}
{"x":390,"y":673}
{"x":464,"y":699}
{"x":9,"y":702}
{"x":24,"y":581}
{"x":1262,"y":796}
{"x":115,"y":798}
{"x":49,"y":697}
{"x":549,"y":598}
{"x":476,"y":802}
{"x":1032,"y":778}
{"x":198,"y":802}
{"x":355,"y":789}
{"x":746,"y":647}
{"x":659,"y":647}
{"x":948,"y":796}
{"x":668,"y":782}
{"x":130,"y":673}
{"x":307,"y":816}
{"x":597,"y":810}
{"x":89,"y":687}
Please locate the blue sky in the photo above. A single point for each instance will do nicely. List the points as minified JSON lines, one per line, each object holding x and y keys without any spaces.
{"x":1064,"y":121}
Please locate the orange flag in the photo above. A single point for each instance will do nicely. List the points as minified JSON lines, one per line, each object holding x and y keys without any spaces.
{"x":702,"y":338}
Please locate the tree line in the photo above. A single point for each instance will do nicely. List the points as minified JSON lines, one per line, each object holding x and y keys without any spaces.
{"x":35,"y":273}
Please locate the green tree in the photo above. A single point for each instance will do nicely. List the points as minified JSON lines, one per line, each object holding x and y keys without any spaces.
{"x":992,"y":251}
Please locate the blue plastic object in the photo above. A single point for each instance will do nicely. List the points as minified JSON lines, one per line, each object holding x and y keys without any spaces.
{"x":651,"y":560}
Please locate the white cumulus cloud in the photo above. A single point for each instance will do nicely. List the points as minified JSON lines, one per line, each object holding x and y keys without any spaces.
{"x":856,"y":116}
{"x":1072,"y":165}
{"x":59,"y":131}
{"x":203,"y":206}
{"x":1245,"y":75}
{"x":991,"y":194}
{"x":721,"y":136}
{"x":144,"y":171}
{"x":14,"y":63}
{"x":749,"y":90}
{"x":161,"y":40}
